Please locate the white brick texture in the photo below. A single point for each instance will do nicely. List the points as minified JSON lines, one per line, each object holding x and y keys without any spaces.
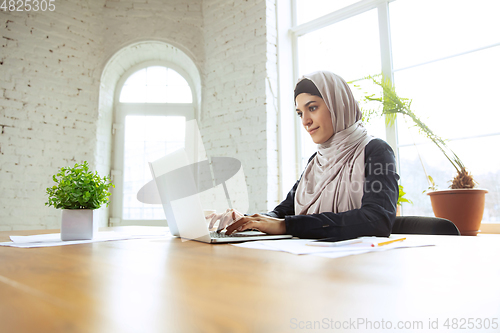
{"x":51,"y":91}
{"x":239,"y":118}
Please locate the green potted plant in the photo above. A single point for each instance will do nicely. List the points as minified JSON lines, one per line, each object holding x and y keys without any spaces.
{"x":79,"y":193}
{"x":401,"y":199}
{"x":463,"y":203}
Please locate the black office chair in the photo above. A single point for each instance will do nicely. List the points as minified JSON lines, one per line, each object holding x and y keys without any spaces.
{"x":424,"y":225}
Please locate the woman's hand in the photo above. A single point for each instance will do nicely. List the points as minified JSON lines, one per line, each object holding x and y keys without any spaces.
{"x":267,"y":224}
{"x":225,"y":219}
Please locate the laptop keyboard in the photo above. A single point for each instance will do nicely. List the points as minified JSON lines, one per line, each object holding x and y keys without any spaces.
{"x":215,"y":234}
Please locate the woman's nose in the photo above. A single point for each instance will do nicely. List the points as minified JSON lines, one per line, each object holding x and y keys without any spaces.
{"x":306,"y":121}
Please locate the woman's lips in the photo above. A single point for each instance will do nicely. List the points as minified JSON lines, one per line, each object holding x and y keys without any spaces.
{"x":311,"y":132}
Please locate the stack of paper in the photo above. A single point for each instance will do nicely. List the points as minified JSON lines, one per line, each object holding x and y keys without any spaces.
{"x":46,"y":240}
{"x":333,"y":249}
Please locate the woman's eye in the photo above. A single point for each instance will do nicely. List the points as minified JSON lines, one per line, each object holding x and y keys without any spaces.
{"x":299,"y":114}
{"x":313,"y":108}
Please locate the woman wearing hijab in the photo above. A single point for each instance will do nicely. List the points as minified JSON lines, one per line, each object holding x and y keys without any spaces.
{"x":350,"y":185}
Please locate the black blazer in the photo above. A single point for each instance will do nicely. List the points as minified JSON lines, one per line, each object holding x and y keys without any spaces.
{"x":378,"y":208}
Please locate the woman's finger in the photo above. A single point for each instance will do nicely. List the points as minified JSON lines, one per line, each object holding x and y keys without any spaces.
{"x":221,"y":224}
{"x":237,"y":224}
{"x":229,"y":218}
{"x":225,"y":220}
{"x":237,"y":216}
{"x":214,"y":219}
{"x":208,"y":219}
{"x":246,"y":226}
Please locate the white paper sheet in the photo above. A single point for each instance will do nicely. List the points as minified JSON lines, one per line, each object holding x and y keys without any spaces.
{"x":298,"y":246}
{"x":47,"y":240}
{"x":340,"y":254}
{"x":398,"y":245}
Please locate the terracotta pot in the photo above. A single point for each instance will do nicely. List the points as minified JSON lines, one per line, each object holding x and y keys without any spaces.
{"x":464,"y":207}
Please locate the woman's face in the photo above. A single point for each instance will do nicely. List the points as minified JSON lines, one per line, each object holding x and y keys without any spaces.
{"x":315,"y":116}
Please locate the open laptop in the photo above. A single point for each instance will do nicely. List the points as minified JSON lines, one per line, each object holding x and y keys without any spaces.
{"x":175,"y":179}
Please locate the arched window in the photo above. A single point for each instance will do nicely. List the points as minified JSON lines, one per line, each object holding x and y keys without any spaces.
{"x":149,"y":122}
{"x":156,"y":84}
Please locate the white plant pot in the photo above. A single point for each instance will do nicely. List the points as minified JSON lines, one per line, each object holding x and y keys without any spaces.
{"x":79,"y":224}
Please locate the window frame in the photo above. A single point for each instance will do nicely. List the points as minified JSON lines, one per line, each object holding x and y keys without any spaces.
{"x":291,"y":39}
{"x":120,"y":111}
{"x":358,"y":8}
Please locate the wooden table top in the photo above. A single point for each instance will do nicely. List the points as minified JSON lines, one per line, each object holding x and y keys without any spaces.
{"x":169,"y":285}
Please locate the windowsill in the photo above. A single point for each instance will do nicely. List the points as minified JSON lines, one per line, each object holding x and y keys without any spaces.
{"x":490,"y":228}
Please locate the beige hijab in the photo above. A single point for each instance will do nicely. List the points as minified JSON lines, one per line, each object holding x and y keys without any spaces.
{"x":334,"y":179}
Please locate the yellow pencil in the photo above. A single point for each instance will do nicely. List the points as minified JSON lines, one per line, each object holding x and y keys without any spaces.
{"x":389,"y":242}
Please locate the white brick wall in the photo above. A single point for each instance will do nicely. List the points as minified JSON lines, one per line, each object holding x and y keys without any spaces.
{"x":237,"y":115}
{"x":271,"y":95}
{"x":48,"y":99}
{"x":51,"y":66}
